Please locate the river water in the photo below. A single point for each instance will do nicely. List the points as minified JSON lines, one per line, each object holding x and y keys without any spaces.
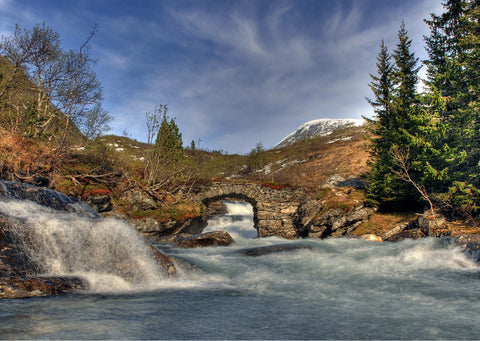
{"x":326,"y":289}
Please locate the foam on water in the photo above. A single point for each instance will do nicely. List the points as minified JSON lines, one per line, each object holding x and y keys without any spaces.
{"x":108,"y":253}
{"x":238,"y":221}
{"x":322,"y":289}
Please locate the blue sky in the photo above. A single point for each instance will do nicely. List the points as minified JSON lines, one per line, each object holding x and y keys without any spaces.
{"x":233,"y":73}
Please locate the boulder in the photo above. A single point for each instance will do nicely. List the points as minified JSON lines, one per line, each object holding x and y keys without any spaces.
{"x":100,"y":203}
{"x":470,"y":245}
{"x":139,"y":200}
{"x":333,"y":181}
{"x":355,"y":183}
{"x":416,"y":233}
{"x":371,"y":237}
{"x":265,"y":250}
{"x":16,"y":287}
{"x":154,"y":229}
{"x":396,"y":230}
{"x":215,"y":238}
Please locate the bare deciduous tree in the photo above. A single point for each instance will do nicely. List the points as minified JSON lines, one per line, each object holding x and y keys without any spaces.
{"x":401,"y":158}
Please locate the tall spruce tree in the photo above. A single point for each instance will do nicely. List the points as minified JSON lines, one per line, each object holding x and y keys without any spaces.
{"x":453,"y":71}
{"x":382,"y":87}
{"x":400,"y":124}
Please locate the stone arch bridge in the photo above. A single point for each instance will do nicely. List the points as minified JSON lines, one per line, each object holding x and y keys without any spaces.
{"x":275,"y":209}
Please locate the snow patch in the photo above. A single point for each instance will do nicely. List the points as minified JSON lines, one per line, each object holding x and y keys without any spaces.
{"x":320,"y":127}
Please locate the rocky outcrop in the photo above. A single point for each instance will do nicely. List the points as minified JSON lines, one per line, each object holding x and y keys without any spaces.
{"x":320,"y":221}
{"x":215,"y":238}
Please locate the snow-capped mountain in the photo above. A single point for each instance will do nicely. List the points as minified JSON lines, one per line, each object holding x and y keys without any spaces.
{"x":320,"y":127}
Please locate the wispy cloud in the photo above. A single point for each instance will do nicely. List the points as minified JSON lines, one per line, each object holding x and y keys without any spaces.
{"x":238,"y":72}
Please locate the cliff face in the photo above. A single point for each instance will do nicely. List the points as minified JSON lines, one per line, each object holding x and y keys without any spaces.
{"x":315,"y":128}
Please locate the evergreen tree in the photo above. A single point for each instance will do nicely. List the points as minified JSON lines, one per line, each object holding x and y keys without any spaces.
{"x":453,"y":71}
{"x":168,"y":144}
{"x":164,"y":162}
{"x":382,"y":125}
{"x":400,"y":128}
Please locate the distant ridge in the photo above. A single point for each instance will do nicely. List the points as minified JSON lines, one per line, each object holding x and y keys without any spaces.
{"x":320,"y":127}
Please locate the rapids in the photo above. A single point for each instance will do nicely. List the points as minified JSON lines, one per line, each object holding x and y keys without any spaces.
{"x":323,"y":289}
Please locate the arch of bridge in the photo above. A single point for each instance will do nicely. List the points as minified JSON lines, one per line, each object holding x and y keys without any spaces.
{"x":275,"y":210}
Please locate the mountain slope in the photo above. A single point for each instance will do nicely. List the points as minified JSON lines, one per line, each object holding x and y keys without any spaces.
{"x":315,"y":128}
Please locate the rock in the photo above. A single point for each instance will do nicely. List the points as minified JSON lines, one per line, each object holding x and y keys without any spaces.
{"x":215,"y":208}
{"x":429,"y":224}
{"x":408,"y":234}
{"x":372,"y":237}
{"x":215,"y":238}
{"x":139,"y":200}
{"x":471,"y":246}
{"x":100,"y":203}
{"x":39,"y":286}
{"x":154,"y":229}
{"x":359,"y":214}
{"x":265,"y":250}
{"x":333,"y":181}
{"x":355,"y":183}
{"x":44,"y":197}
{"x":396,"y":230}
{"x":318,"y":232}
{"x":165,"y":261}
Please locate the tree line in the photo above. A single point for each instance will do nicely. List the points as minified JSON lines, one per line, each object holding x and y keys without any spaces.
{"x":425,"y":145}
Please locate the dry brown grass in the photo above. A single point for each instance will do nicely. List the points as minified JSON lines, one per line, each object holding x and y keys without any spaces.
{"x":22,"y":158}
{"x":380,"y":223}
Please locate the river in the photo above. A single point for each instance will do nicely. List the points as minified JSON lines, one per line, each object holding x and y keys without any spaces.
{"x":322,"y":289}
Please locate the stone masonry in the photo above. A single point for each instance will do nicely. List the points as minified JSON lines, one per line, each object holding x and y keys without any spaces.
{"x":275,"y":209}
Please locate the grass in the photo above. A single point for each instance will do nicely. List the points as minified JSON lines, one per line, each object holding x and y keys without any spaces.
{"x":380,"y":223}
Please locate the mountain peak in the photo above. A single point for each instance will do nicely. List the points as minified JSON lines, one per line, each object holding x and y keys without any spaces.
{"x":319,"y":127}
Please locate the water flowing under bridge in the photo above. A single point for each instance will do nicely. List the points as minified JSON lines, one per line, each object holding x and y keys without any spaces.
{"x":275,"y":208}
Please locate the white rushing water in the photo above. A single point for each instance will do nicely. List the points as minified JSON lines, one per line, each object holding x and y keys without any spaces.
{"x":311,"y":289}
{"x":108,"y":253}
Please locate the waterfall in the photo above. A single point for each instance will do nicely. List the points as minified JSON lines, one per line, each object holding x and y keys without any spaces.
{"x":107,"y":253}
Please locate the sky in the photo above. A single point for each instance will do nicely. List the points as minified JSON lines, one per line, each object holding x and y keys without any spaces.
{"x":233,"y":73}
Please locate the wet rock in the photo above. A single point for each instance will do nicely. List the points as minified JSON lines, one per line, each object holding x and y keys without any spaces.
{"x":265,"y":250}
{"x":165,"y":261}
{"x":39,"y":286}
{"x":471,"y":246}
{"x":44,"y":197}
{"x":215,"y":238}
{"x":154,"y":229}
